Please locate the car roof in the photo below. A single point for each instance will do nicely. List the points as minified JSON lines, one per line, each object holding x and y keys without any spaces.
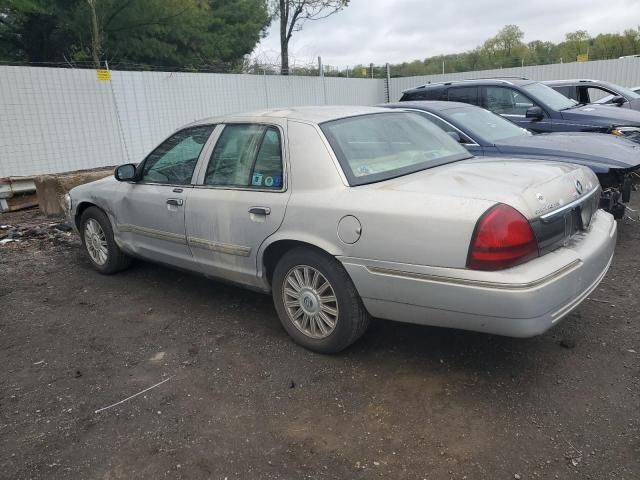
{"x":474,"y":81}
{"x":311,"y":114}
{"x":575,"y":81}
{"x":429,"y":105}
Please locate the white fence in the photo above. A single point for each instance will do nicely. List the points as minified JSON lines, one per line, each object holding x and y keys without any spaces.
{"x":623,"y":71}
{"x":56,"y":120}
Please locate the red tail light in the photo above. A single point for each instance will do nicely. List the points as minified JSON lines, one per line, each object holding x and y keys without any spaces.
{"x":502,"y":238}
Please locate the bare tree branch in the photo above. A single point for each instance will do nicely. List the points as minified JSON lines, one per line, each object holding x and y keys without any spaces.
{"x":294,"y":13}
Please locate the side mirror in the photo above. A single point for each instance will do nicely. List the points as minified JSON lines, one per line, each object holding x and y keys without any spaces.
{"x":535,"y":113}
{"x":125,"y":173}
{"x":456,"y":136}
{"x":618,"y":100}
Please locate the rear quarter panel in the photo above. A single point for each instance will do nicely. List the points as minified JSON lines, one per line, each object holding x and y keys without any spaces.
{"x":404,"y":227}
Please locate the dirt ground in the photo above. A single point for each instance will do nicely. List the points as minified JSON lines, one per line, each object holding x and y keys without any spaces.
{"x":242,"y":401}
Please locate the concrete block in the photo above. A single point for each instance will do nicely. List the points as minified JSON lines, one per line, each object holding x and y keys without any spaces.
{"x":51,"y":189}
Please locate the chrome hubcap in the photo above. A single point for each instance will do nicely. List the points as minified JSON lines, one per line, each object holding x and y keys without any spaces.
{"x":310,"y":301}
{"x":96,"y":242}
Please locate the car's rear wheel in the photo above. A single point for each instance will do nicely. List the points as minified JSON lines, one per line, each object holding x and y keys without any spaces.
{"x":97,"y":238}
{"x":317,"y":302}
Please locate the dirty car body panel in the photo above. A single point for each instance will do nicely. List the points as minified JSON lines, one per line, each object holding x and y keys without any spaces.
{"x":403,"y":240}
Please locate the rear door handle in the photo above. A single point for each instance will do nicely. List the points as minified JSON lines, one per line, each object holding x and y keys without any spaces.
{"x":178,"y":202}
{"x":260,"y":210}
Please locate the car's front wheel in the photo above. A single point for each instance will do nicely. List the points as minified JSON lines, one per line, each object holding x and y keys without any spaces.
{"x":98,"y":241}
{"x":317,"y":302}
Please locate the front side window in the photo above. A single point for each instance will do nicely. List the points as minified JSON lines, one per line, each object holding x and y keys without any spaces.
{"x":506,"y":101}
{"x":464,"y":94}
{"x":627,"y":93}
{"x":175,"y":159}
{"x":596,"y":94}
{"x":376,"y":147}
{"x":549,"y":97}
{"x":248,"y":156}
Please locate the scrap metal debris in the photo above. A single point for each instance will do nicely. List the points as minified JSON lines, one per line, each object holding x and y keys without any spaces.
{"x":54,"y":232}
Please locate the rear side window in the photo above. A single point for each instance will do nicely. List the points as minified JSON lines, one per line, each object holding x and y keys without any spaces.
{"x":426,"y":94}
{"x":246,"y":156}
{"x":463,"y":94}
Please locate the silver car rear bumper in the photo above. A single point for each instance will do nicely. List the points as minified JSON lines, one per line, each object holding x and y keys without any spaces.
{"x":522,"y":301}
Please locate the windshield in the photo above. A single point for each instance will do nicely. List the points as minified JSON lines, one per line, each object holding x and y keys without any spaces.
{"x":377,"y":147}
{"x":549,"y":97}
{"x":486,"y":125}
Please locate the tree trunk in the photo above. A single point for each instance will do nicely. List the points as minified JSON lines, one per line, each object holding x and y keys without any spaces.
{"x":95,"y":34}
{"x":284,"y":61}
{"x":284,"y":41}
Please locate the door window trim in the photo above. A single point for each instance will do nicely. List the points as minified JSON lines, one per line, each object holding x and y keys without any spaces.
{"x":140,"y":167}
{"x":201,"y":169}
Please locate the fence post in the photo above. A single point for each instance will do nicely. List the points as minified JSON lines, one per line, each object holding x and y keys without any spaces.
{"x":388,"y":82}
{"x":324,"y":83}
{"x":117,"y":111}
{"x":266,"y":90}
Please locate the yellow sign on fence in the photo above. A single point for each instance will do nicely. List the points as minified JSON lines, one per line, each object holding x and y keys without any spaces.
{"x":103,"y":75}
{"x":582,"y":57}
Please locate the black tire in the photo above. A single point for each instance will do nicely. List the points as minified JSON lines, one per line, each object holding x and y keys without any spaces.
{"x":116,"y":260}
{"x":352,"y":318}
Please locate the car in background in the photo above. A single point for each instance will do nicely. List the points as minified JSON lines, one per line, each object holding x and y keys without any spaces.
{"x":613,"y":159}
{"x":343,"y":213}
{"x":533,"y":105}
{"x":596,"y":91}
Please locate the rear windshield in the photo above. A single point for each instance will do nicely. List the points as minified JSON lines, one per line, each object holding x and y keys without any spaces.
{"x":380,"y":146}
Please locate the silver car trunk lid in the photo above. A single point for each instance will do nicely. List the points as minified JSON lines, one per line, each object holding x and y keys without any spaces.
{"x":558,"y":199}
{"x":532,"y":187}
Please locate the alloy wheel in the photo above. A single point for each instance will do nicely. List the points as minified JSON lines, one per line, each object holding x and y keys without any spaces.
{"x":96,"y":241}
{"x":310,"y":301}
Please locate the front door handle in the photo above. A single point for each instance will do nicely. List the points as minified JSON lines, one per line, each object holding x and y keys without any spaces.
{"x":260,"y":210}
{"x":177,"y":202}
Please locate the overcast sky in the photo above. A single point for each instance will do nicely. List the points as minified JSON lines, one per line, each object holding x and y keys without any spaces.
{"x":394,"y":31}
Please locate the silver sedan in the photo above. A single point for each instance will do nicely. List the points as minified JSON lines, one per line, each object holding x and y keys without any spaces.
{"x":344,"y":213}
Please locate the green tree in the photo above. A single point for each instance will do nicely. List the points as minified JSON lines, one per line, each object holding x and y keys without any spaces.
{"x":541,"y":53}
{"x":576,"y":43}
{"x":172,"y":33}
{"x":506,"y":48}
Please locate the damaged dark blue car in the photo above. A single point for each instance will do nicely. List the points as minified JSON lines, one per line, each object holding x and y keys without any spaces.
{"x":614,"y":159}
